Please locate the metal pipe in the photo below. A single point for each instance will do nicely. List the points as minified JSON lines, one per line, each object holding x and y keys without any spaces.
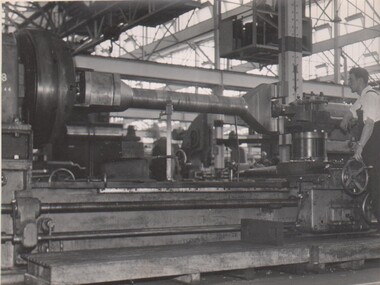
{"x":161,"y":205}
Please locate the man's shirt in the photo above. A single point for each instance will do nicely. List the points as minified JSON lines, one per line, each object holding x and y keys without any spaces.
{"x":369,"y":102}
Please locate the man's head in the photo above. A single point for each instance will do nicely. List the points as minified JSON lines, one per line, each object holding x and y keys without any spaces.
{"x":358,"y":79}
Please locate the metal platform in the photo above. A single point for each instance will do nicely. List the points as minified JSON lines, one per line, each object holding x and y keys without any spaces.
{"x":93,"y":266}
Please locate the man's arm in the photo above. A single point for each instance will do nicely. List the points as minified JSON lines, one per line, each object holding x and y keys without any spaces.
{"x":345,"y":124}
{"x":366,"y":134}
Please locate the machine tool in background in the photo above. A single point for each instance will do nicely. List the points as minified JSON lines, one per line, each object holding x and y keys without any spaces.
{"x":55,"y":117}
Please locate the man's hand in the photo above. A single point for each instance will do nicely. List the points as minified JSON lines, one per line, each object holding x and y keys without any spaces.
{"x":345,"y":124}
{"x":358,"y":152}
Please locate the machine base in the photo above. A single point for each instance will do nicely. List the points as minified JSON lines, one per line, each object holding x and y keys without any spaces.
{"x":105,"y":265}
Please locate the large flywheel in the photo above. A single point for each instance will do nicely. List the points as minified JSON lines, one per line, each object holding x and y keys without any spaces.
{"x":49,"y":83}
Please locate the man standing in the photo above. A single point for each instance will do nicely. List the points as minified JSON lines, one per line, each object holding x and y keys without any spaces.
{"x":367,"y":110}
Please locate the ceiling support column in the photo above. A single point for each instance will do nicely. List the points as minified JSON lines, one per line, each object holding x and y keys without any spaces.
{"x":337,"y":49}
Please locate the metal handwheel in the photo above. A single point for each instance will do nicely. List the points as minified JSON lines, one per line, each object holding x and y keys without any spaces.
{"x":367,"y":209}
{"x":355,"y":177}
{"x":181,"y":156}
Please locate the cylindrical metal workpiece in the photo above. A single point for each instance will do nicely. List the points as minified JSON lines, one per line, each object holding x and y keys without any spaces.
{"x":100,"y":89}
{"x":309,"y":146}
{"x":106,"y":92}
{"x":153,"y":99}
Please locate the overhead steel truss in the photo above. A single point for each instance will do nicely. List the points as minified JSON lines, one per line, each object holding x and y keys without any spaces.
{"x":86,"y":24}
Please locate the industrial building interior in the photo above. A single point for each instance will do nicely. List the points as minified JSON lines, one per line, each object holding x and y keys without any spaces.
{"x":186,"y":141}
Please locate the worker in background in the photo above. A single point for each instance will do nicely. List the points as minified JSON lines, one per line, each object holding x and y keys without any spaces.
{"x":237,"y":152}
{"x":263,"y":160}
{"x":366,"y":110}
{"x":157,"y":165}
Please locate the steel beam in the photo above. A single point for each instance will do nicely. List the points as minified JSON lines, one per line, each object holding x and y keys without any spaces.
{"x":244,"y":67}
{"x":347,"y":39}
{"x":39,"y":13}
{"x":371,"y":69}
{"x":158,"y":72}
{"x":193,"y":76}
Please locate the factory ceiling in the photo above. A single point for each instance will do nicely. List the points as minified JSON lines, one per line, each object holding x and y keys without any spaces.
{"x":84,"y":24}
{"x":181,"y":31}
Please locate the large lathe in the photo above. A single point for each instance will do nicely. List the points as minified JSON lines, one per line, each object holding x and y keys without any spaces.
{"x":71,"y":181}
